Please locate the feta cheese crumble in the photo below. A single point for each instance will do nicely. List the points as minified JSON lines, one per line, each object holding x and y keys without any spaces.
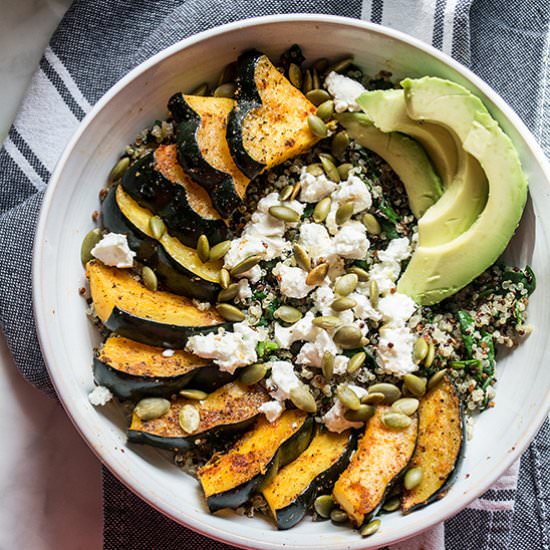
{"x":315,"y":188}
{"x":395,"y":350}
{"x":113,"y":250}
{"x":345,"y":91}
{"x":351,"y":241}
{"x":168,"y":353}
{"x":100,"y":396}
{"x":334,"y":419}
{"x":292,"y":281}
{"x":282,"y":381}
{"x":272,"y":410}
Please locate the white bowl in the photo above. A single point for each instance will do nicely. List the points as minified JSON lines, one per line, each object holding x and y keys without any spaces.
{"x":67,"y":338}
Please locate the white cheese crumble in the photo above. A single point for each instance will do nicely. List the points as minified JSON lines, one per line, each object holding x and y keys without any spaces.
{"x":229,"y":350}
{"x":244,"y":291}
{"x":334,"y":419}
{"x":340,"y":364}
{"x":396,"y":308}
{"x":344,"y":90}
{"x":303,"y":329}
{"x":315,"y":239}
{"x":283,"y":380}
{"x":311,"y":353}
{"x":351,"y":241}
{"x":272,"y":410}
{"x":395,"y":350}
{"x":100,"y":396}
{"x":315,"y":188}
{"x":113,"y":250}
{"x":387,"y":271}
{"x":292,"y":281}
{"x":168,"y":353}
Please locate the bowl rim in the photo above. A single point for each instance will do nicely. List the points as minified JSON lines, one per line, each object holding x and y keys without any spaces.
{"x":40,"y":310}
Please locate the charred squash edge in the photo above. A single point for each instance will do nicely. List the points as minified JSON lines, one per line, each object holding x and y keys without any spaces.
{"x":175,"y":277}
{"x":294,"y":512}
{"x":220,"y":185}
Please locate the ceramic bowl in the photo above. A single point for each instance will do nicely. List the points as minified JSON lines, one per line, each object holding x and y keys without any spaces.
{"x":67,"y":337}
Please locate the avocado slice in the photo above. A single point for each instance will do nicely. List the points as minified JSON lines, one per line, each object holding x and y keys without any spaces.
{"x":437,"y":272}
{"x":405,"y":156}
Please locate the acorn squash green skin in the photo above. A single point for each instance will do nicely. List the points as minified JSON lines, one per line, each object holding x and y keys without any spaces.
{"x":248,"y":98}
{"x":220,"y":186}
{"x":152,"y":190}
{"x":286,"y":453}
{"x":174,"y":276}
{"x":292,"y":514}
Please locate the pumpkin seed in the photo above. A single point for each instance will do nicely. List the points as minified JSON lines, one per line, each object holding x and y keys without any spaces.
{"x":230,"y":313}
{"x":415,"y":384}
{"x":356,"y":361}
{"x":228,"y":293}
{"x":372,"y":224}
{"x":149,"y":277}
{"x":430,"y":356}
{"x":246,"y":265}
{"x":346,"y":284}
{"x":406,"y":405}
{"x":327,"y":365}
{"x":285,"y":193}
{"x":119,"y":168}
{"x":218,"y":251}
{"x":225,"y":278}
{"x":295,"y":190}
{"x":360,"y":272}
{"x":325,"y":111}
{"x":317,"y":126}
{"x":391,"y":391}
{"x":374,"y":398}
{"x":317,"y":275}
{"x":374,"y":293}
{"x":392,"y":504}
{"x":321,"y":210}
{"x":328,"y":322}
{"x":340,"y":143}
{"x":348,"y":337}
{"x":189,"y":418}
{"x":284,"y":213}
{"x":342,"y":304}
{"x":315,"y":80}
{"x":200,"y":90}
{"x":323,"y":505}
{"x":344,"y":169}
{"x":371,"y":528}
{"x":253,"y":374}
{"x":157,"y":227}
{"x":302,"y":258}
{"x":226,"y":90}
{"x":302,"y":399}
{"x":344,"y":213}
{"x":321,"y":64}
{"x":228,"y":74}
{"x":420,"y":349}
{"x":288,"y":314}
{"x":318,"y":96}
{"x":315,"y":169}
{"x":436,"y":379}
{"x":362,"y":414}
{"x":338,"y":516}
{"x":413,"y":478}
{"x":307,"y":84}
{"x":295,"y":75}
{"x":348,"y":397}
{"x":203,"y":248}
{"x":396,"y":421}
{"x":88,"y":243}
{"x":329,"y":167}
{"x":151,"y":408}
{"x":341,"y":65}
{"x":196,"y":395}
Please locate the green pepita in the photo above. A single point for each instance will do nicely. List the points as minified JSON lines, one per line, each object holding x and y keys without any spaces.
{"x":406,"y":405}
{"x":203,"y":249}
{"x":323,"y":505}
{"x":396,"y":421}
{"x":391,"y":391}
{"x":295,"y":75}
{"x":356,"y":361}
{"x":157,"y":227}
{"x":342,"y":304}
{"x":119,"y":168}
{"x":321,"y":64}
{"x":253,"y":374}
{"x":302,"y":258}
{"x":362,"y":414}
{"x":436,"y":379}
{"x":226,"y":90}
{"x":371,"y":528}
{"x":228,"y":293}
{"x":285,"y":193}
{"x":362,"y":274}
{"x":284,"y":213}
{"x":189,"y":418}
{"x":318,"y":96}
{"x":374,"y":293}
{"x":315,"y":80}
{"x":327,"y":365}
{"x":346,"y":284}
{"x":246,"y":265}
{"x":430,"y":356}
{"x":338,"y":516}
{"x":329,"y":167}
{"x":348,"y":337}
{"x":328,"y":322}
{"x":415,"y":384}
{"x":288,"y":314}
{"x":344,"y":170}
{"x":200,"y":90}
{"x":317,"y":275}
{"x":374,"y":398}
{"x":340,"y":143}
{"x":344,"y":213}
{"x":392,"y":504}
{"x":151,"y":408}
{"x":420,"y":350}
{"x":302,"y":399}
{"x":230,"y":312}
{"x":325,"y":111}
{"x":348,"y":397}
{"x":315,"y":169}
{"x":413,"y":478}
{"x":341,"y":65}
{"x":225,"y":278}
{"x":321,"y":210}
{"x":149,"y":278}
{"x":88,"y":243}
{"x":295,"y":190}
{"x":372,"y":224}
{"x":196,"y":395}
{"x":317,"y":126}
{"x":307,"y":84}
{"x":218,"y":251}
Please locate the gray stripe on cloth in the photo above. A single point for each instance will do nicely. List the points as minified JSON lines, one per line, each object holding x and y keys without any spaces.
{"x":28,"y":153}
{"x":15,"y":187}
{"x":461,"y":32}
{"x":439,"y":20}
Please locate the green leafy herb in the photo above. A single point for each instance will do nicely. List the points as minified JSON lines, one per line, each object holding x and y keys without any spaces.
{"x":467,"y":326}
{"x":263,"y":349}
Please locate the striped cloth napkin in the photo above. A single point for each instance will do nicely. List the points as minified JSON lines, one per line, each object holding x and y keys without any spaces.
{"x":98,"y":41}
